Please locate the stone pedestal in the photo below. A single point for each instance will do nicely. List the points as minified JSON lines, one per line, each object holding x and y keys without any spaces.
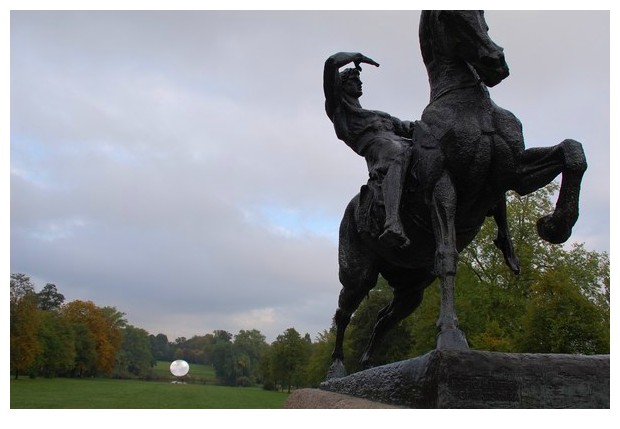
{"x":478,"y":379}
{"x":322,"y":399}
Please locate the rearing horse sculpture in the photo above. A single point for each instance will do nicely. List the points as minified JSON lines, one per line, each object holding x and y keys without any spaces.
{"x":467,"y":153}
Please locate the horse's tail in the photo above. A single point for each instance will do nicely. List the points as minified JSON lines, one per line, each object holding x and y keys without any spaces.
{"x":349,"y":235}
{"x":349,"y":219}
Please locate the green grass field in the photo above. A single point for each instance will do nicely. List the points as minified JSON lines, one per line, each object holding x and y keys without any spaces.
{"x":132,"y":394}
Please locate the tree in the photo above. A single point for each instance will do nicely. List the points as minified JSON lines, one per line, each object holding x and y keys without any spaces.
{"x":223,"y":357}
{"x":160,"y":347}
{"x":20,"y":286}
{"x":589,"y":271}
{"x":289,"y":354}
{"x":194,"y":350}
{"x":220,"y":334}
{"x":85,"y":350}
{"x":24,"y":324}
{"x":560,"y":319}
{"x":249,"y":348}
{"x":135,"y":355}
{"x":99,"y":325}
{"x":57,"y":345}
{"x":320,"y":357}
{"x":49,"y":298}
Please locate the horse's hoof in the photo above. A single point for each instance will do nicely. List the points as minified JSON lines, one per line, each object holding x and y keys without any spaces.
{"x":513,"y":263}
{"x":549,"y":229}
{"x":366,"y":361}
{"x":510,"y":258}
{"x":336,"y":370}
{"x":452,"y":339}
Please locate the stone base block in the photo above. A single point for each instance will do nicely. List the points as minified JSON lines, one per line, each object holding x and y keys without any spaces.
{"x":479,"y":379}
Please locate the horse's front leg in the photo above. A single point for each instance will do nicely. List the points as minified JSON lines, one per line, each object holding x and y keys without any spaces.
{"x":443,"y":213}
{"x":539,"y":166}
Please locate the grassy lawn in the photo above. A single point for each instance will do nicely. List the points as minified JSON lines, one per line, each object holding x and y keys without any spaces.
{"x":105,"y":393}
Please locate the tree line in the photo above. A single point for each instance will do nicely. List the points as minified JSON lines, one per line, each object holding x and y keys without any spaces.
{"x":52,"y":338}
{"x":559,"y":303}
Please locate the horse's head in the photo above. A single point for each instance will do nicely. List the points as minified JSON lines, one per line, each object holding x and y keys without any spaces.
{"x":463,"y":34}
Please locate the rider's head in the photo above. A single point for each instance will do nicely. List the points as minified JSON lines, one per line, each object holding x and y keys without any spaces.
{"x":351,"y":82}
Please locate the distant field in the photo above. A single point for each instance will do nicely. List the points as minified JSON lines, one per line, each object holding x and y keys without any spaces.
{"x":197,"y":373}
{"x":131,"y":394}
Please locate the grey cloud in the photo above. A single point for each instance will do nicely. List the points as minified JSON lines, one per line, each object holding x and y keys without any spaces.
{"x":146,"y":148}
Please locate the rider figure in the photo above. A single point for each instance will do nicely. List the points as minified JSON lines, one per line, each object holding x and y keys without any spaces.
{"x":380,"y":138}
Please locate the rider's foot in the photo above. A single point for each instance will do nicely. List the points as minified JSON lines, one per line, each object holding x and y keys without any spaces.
{"x":394,"y":238}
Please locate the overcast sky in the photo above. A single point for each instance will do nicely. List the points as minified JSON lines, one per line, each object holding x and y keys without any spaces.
{"x":180,"y":166}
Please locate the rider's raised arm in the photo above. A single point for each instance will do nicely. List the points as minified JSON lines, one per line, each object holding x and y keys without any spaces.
{"x":332,"y":85}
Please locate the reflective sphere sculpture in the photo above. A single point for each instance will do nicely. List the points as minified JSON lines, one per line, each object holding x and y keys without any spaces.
{"x":179,"y":368}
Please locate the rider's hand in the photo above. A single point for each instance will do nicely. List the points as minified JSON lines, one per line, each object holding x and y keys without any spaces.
{"x":364,"y":59}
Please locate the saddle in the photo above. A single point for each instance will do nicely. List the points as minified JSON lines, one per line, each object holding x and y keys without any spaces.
{"x":424,"y":166}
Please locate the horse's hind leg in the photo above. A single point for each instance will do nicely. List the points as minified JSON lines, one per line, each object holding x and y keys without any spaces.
{"x":539,"y":167}
{"x":407,"y":297}
{"x":355,"y":286}
{"x":358,"y":275}
{"x":504,"y":240}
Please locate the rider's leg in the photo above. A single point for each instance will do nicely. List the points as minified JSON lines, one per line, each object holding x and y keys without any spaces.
{"x":392,"y":188}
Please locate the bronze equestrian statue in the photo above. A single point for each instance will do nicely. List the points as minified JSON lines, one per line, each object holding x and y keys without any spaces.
{"x":432,"y":182}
